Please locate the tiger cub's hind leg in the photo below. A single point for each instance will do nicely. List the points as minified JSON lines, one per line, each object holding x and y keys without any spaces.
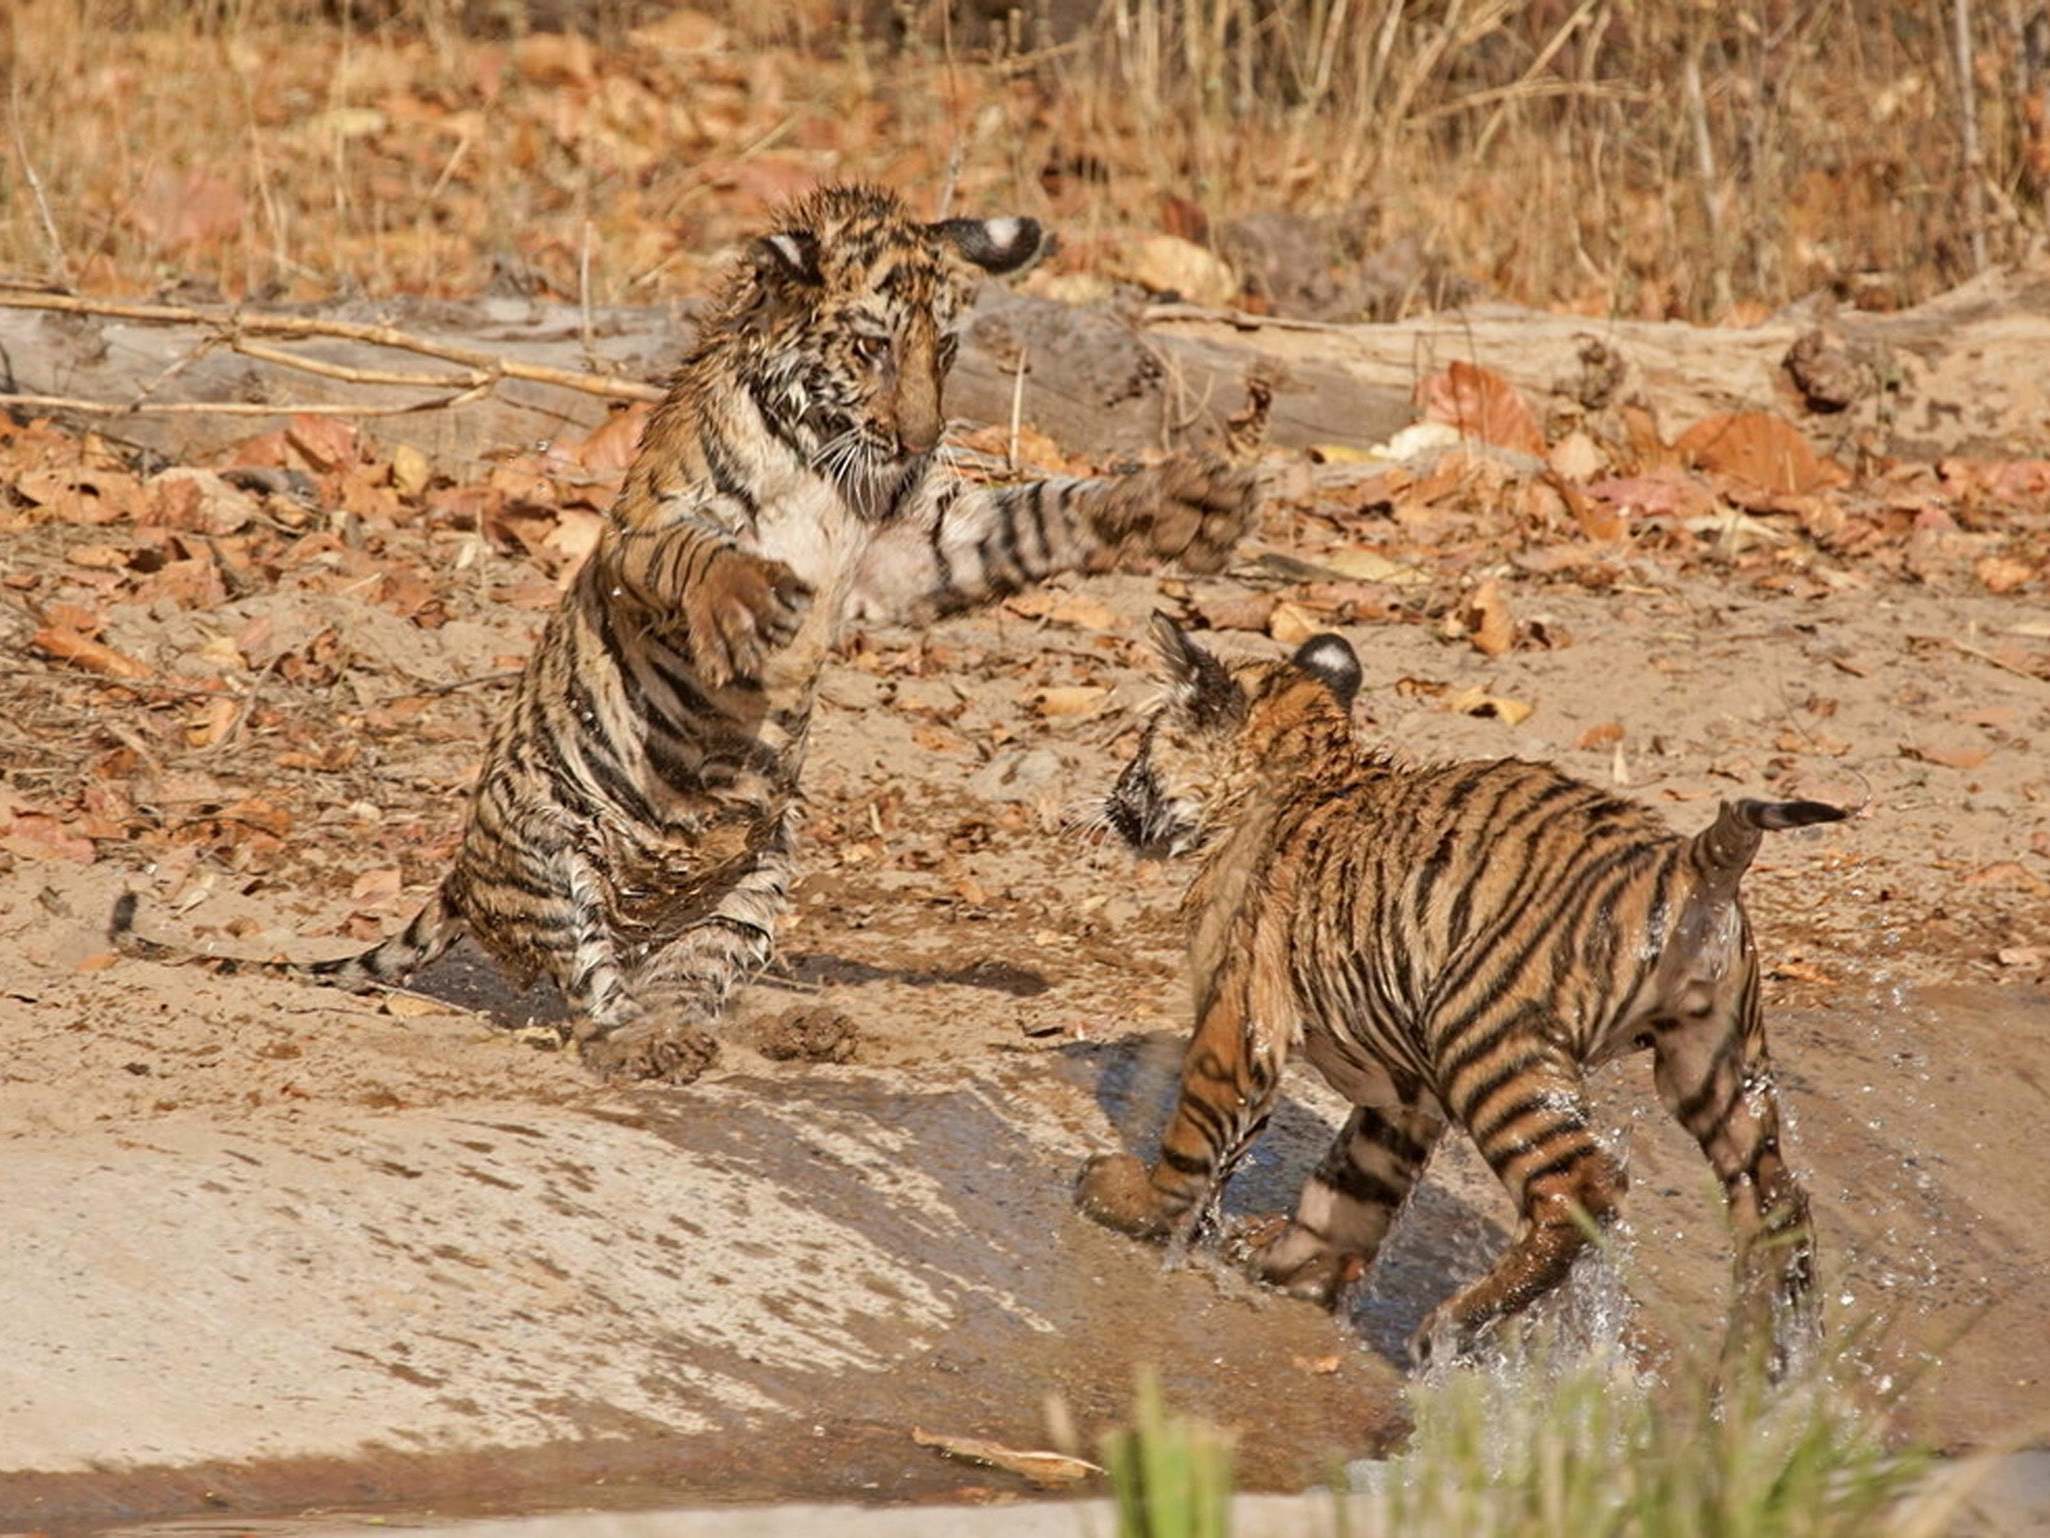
{"x":1348,"y":1203}
{"x":1714,"y":1074}
{"x":1528,"y":1117}
{"x":678,"y":991}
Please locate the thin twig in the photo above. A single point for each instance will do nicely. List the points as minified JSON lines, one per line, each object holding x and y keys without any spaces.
{"x":248,"y":704}
{"x":35,"y":185}
{"x":466,"y":380}
{"x":1017,"y":406}
{"x":238,"y":408}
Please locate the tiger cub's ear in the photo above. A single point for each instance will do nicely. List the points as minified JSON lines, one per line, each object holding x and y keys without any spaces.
{"x":787,"y":259}
{"x":1198,"y":680}
{"x":998,"y":246}
{"x":1331,"y":660}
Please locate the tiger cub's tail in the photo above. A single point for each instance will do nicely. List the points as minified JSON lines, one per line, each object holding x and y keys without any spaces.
{"x":1724,"y":849}
{"x":432,"y":930}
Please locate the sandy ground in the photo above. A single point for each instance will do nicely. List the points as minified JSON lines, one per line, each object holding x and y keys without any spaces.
{"x":272,"y":1247}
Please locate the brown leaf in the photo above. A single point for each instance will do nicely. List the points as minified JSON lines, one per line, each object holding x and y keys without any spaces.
{"x":34,"y":835}
{"x":1756,"y":446}
{"x":375,"y":888}
{"x":1603,"y":735}
{"x":2009,"y":873}
{"x":1949,"y":757}
{"x":1070,"y":699}
{"x":410,"y":470}
{"x":210,"y":721}
{"x":325,"y":442}
{"x":2020,"y":955}
{"x":1488,"y":622}
{"x":1476,"y":701}
{"x":1291,"y":624}
{"x":1084,"y":613}
{"x":1576,"y":457}
{"x":610,"y":447}
{"x":2003,"y":574}
{"x":410,"y":1006}
{"x":1482,"y":404}
{"x":1237,"y":611}
{"x":70,"y":646}
{"x":97,"y":557}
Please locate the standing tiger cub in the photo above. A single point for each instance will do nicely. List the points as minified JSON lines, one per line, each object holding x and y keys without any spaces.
{"x":631,"y":833}
{"x":1455,"y":943}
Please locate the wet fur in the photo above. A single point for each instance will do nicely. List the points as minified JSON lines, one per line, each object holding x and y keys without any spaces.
{"x":631,"y":836}
{"x":1447,"y":943}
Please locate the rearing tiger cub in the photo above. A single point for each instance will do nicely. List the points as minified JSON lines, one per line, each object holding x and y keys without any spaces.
{"x":1447,"y":943}
{"x":631,"y":833}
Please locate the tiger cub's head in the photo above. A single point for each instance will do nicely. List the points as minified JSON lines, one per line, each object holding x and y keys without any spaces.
{"x":1221,"y":731}
{"x":843,"y":323}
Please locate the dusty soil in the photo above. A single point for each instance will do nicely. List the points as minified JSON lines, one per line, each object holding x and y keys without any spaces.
{"x":277,"y":1247}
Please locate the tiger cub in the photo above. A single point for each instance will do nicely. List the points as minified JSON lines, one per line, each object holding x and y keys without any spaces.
{"x":1453,"y":943}
{"x":631,"y":835}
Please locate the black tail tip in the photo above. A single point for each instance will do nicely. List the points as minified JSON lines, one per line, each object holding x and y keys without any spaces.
{"x":121,"y":922}
{"x":1773,"y":816}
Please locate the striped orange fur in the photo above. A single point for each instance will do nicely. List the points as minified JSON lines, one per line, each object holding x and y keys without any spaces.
{"x":1448,"y":944}
{"x":631,"y":836}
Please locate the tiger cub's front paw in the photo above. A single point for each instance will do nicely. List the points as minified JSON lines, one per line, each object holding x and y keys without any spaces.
{"x":1192,"y":509}
{"x":1290,"y":1258}
{"x":740,"y":609}
{"x":1115,"y":1191}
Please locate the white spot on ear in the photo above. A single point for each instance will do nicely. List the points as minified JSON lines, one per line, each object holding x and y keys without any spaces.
{"x":1003,"y":233}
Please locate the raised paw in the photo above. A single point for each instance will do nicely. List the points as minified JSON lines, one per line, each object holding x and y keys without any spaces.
{"x":1115,"y":1191}
{"x":672,"y":1052}
{"x":1202,"y":507}
{"x":1290,"y":1258}
{"x":740,"y":609}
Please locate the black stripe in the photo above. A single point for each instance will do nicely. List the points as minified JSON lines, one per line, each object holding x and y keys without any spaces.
{"x":724,"y":477}
{"x":1363,"y":1186}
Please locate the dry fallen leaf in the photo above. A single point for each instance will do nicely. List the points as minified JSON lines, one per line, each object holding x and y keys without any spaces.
{"x":70,"y":646}
{"x":1949,"y":757}
{"x":1476,"y":701}
{"x":1041,"y":1468}
{"x":1368,"y":566}
{"x":1576,"y":457}
{"x":1487,"y":620}
{"x":1755,"y":446}
{"x":1291,"y":624}
{"x":2003,"y":573}
{"x":1241,"y":611}
{"x":1069,"y":699}
{"x":1083,"y":612}
{"x":1482,"y":404}
{"x":410,"y":471}
{"x":410,"y":1006}
{"x":2020,"y":955}
{"x":1601,"y":735}
{"x":2009,"y":873}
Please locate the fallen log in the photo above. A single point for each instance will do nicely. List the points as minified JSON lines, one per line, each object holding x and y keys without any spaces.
{"x":1961,"y":374}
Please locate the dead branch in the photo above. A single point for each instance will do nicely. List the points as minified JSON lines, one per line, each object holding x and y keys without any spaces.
{"x":232,"y":323}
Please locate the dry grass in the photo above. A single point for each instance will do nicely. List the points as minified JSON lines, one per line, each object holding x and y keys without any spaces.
{"x":1647,"y":158}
